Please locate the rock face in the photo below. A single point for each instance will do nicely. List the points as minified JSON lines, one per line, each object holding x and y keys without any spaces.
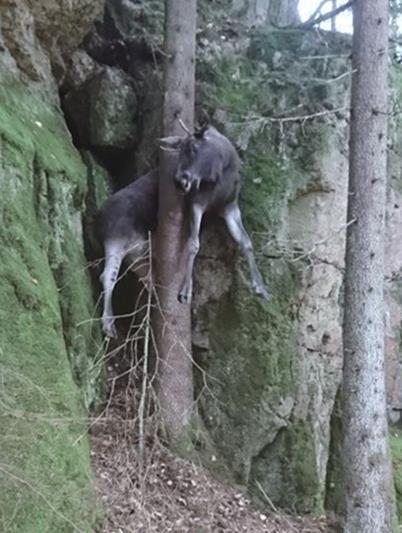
{"x":272,"y":370}
{"x":46,"y":295}
{"x":267,"y":373}
{"x":42,"y":35}
{"x":48,"y":340}
{"x":102,"y":112}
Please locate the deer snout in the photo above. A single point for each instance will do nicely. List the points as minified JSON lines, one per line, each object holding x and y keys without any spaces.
{"x":184,"y":181}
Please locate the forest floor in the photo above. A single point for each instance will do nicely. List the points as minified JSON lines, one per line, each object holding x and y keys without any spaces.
{"x":144,"y":488}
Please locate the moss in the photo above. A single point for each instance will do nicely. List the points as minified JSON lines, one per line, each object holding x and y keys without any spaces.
{"x":141,"y":21}
{"x":271,"y":180}
{"x":286,"y":470}
{"x":264,"y":44}
{"x":45,"y":477}
{"x":229,"y":83}
{"x":251,"y":363}
{"x":41,"y":411}
{"x":28,"y":122}
{"x":98,"y":181}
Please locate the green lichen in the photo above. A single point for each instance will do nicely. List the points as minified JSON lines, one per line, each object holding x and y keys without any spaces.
{"x":265,"y":44}
{"x":140,"y":20}
{"x":45,"y":477}
{"x":286,"y":470}
{"x":252,"y":371}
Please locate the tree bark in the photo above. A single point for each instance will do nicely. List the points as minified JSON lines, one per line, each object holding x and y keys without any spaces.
{"x":283,"y":13}
{"x":262,"y":12}
{"x":366,"y":460}
{"x":173,"y":321}
{"x":333,"y":20}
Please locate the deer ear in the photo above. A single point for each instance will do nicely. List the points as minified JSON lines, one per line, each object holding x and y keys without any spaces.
{"x":171,"y":143}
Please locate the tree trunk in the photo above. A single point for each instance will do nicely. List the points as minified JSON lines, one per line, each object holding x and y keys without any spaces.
{"x":283,"y":13}
{"x":173,"y":322}
{"x":367,"y":468}
{"x":333,"y":20}
{"x":265,"y":12}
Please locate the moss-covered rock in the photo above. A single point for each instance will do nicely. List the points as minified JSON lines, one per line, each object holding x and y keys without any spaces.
{"x":42,"y":35}
{"x":102,"y":112}
{"x":270,"y":371}
{"x":47,"y":331}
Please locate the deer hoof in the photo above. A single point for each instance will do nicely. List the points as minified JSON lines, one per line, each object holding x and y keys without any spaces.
{"x":184,"y":296}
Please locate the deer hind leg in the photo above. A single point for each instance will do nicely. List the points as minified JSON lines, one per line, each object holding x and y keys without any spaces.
{"x":232,"y":217}
{"x":114,"y":255}
{"x":139,"y":258}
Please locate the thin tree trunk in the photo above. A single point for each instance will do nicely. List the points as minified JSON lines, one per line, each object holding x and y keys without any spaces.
{"x":262,"y":12}
{"x":333,"y":20}
{"x":283,"y":13}
{"x":173,"y":323}
{"x":367,"y":469}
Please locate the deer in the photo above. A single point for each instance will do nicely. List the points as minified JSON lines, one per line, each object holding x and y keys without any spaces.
{"x":208,"y":175}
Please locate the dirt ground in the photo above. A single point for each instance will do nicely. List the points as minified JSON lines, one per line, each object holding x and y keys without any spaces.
{"x":144,"y":488}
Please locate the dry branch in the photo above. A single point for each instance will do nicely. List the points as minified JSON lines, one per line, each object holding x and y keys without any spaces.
{"x":317,"y":12}
{"x":322,"y":18}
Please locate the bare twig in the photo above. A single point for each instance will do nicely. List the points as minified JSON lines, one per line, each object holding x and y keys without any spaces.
{"x":296,"y":118}
{"x":266,"y":497}
{"x":141,"y":407}
{"x":343,"y":75}
{"x":325,"y":56}
{"x":317,"y":11}
{"x":323,"y":241}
